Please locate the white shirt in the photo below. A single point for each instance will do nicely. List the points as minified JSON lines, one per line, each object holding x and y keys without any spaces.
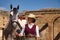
{"x":30,"y":26}
{"x":22,"y":22}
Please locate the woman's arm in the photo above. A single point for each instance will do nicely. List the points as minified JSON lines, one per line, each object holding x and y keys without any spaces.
{"x":37,"y":33}
{"x":22,"y":32}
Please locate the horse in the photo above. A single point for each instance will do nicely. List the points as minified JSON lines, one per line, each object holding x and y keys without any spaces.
{"x":11,"y":26}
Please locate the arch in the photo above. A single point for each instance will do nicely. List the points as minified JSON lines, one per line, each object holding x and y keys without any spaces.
{"x":56,"y":19}
{"x":53,"y":25}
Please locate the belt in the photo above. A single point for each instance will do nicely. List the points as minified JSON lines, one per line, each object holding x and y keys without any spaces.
{"x":31,"y":36}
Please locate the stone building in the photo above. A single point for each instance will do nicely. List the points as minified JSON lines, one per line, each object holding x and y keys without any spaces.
{"x":43,"y":16}
{"x":50,"y":16}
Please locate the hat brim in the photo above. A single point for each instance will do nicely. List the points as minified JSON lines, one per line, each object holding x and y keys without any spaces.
{"x":31,"y":17}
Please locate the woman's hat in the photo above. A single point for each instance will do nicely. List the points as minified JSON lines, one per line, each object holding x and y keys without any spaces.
{"x":31,"y":16}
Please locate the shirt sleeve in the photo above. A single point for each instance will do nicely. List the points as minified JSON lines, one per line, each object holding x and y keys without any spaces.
{"x":22,"y":32}
{"x":37,"y":32}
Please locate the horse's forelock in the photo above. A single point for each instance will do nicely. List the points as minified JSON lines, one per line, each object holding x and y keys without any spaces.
{"x":13,"y":10}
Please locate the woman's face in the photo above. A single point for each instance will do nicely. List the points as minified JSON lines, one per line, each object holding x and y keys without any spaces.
{"x":30,"y":20}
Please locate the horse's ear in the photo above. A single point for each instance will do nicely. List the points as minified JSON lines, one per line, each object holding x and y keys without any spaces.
{"x":10,"y":6}
{"x":18,"y":7}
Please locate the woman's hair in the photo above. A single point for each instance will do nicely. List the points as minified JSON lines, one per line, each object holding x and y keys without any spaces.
{"x":33,"y":20}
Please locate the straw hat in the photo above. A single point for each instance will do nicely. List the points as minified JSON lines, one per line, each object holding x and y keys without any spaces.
{"x":31,"y":16}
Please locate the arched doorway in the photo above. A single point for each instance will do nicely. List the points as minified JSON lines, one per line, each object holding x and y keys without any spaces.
{"x":56,"y":28}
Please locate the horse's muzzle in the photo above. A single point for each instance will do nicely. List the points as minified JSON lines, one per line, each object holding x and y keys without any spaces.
{"x":14,"y":24}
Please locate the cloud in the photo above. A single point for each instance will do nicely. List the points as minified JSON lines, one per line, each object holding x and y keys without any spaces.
{"x":2,"y":8}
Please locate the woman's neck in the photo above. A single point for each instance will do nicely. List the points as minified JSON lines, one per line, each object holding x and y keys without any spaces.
{"x":30,"y":23}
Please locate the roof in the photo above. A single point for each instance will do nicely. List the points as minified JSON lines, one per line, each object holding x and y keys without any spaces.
{"x":46,"y":10}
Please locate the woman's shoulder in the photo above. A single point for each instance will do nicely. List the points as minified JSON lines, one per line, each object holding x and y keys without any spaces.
{"x":36,"y":26}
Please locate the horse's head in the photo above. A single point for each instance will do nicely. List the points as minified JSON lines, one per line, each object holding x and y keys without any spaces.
{"x":13,"y":14}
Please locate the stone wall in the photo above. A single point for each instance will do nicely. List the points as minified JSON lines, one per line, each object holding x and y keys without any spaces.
{"x":4,"y":17}
{"x":50,"y":16}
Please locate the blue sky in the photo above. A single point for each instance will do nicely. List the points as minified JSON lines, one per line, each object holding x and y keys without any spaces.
{"x":29,"y":4}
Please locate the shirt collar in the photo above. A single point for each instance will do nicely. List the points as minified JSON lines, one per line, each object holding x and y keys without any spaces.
{"x":31,"y":24}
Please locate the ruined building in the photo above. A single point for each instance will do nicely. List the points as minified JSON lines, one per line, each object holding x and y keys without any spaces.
{"x":50,"y":16}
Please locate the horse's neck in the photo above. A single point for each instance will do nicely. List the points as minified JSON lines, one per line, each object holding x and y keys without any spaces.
{"x":8,"y":24}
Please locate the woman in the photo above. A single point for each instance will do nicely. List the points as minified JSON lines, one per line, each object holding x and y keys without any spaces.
{"x":31,"y":30}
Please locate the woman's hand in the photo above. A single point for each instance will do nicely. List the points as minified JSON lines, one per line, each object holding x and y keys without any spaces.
{"x":20,"y":35}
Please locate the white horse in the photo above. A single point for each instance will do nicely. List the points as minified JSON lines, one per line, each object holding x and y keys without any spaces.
{"x":12,"y":23}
